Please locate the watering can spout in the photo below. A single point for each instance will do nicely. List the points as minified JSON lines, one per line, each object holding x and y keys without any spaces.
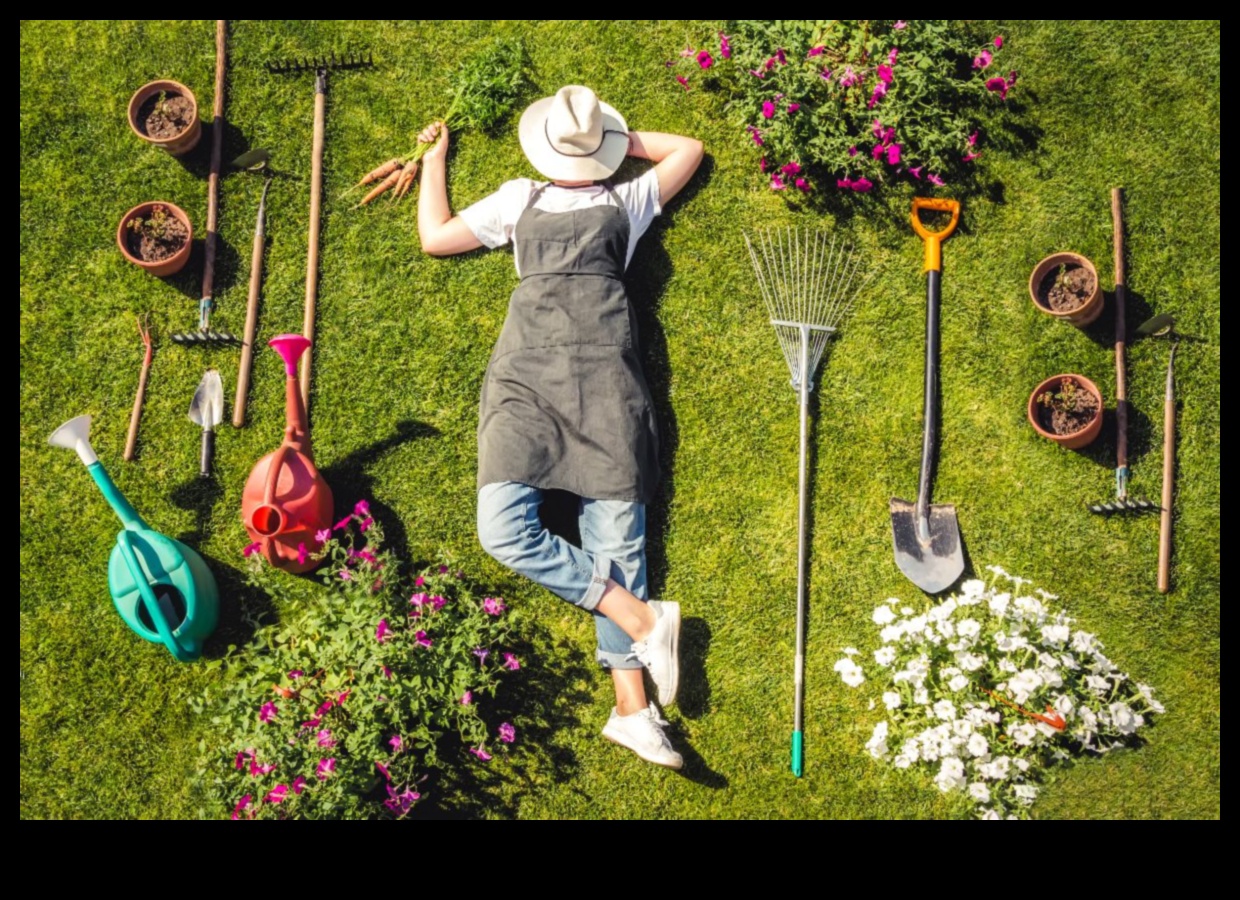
{"x":297,"y":430}
{"x":75,"y":435}
{"x":290,"y":347}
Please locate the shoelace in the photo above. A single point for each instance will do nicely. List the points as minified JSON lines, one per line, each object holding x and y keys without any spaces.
{"x":654,"y":718}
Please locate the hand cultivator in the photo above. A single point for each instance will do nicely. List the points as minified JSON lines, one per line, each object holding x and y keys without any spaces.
{"x":320,"y":65}
{"x":809,"y":283}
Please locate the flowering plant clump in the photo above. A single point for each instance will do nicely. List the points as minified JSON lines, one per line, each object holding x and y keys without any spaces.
{"x":342,"y":709}
{"x":850,"y":104}
{"x":990,"y":688}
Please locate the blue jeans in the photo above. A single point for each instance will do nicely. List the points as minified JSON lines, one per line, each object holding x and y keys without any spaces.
{"x":613,"y":545}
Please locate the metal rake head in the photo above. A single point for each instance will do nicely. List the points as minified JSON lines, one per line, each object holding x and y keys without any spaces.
{"x":294,"y":64}
{"x":809,"y":280}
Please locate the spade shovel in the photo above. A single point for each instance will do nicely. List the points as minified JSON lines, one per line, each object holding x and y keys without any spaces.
{"x":207,"y":410}
{"x":927,"y":537}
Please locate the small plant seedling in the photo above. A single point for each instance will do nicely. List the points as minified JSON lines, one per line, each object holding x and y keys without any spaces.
{"x":1066,"y":399}
{"x":154,"y":226}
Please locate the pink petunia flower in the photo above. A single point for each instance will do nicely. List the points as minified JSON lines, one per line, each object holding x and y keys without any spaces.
{"x":507,"y":733}
{"x":793,"y":107}
{"x":346,"y":575}
{"x":396,"y":743}
{"x":879,"y":151}
{"x":758,"y":73}
{"x":880,"y":91}
{"x":768,"y":109}
{"x":242,"y":805}
{"x":756,"y":134}
{"x":803,"y":185}
{"x":422,"y":640}
{"x":825,"y":74}
{"x":294,"y":674}
{"x":762,"y":165}
{"x":893,"y":154}
{"x":482,"y":653}
{"x":324,"y":769}
{"x":251,"y":549}
{"x":915,"y":171}
{"x":863,"y":185}
{"x":383,"y":632}
{"x":361,"y":508}
{"x":387,"y":673}
{"x":418,"y":599}
{"x":257,"y":771}
{"x":704,"y":59}
{"x":884,"y":74}
{"x":419,"y":581}
{"x":853,"y":151}
{"x":982,"y":60}
{"x":781,"y":56}
{"x":438,"y":602}
{"x":973,"y":139}
{"x":791,"y":168}
{"x":998,"y":42}
{"x":324,"y":738}
{"x":969,"y":157}
{"x":725,"y":46}
{"x":815,"y":51}
{"x":999,"y":85}
{"x":687,"y":53}
{"x":343,"y":696}
{"x":480,"y":753}
{"x":276,"y":794}
{"x":467,"y":698}
{"x":400,"y":802}
{"x":325,"y":707}
{"x":493,"y":606}
{"x":684,"y":82}
{"x":511,"y":662}
{"x":383,"y":770}
{"x":267,"y":712}
{"x":935,"y":179}
{"x":848,"y":77}
{"x":900,"y":25}
{"x":323,"y":535}
{"x":892,"y":54}
{"x":777,"y":182}
{"x":364,"y":525}
{"x":299,"y":784}
{"x":342,"y":524}
{"x":302,"y":553}
{"x":443,"y":570}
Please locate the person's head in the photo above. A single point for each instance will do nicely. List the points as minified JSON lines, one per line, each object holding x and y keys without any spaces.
{"x":573,"y":137}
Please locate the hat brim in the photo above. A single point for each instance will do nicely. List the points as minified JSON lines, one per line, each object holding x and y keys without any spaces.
{"x":559,"y":167}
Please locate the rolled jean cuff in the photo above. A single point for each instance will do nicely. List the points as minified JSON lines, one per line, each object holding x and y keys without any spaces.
{"x":598,"y":583}
{"x":617,"y":660}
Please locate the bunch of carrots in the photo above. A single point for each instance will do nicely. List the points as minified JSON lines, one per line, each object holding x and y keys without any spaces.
{"x":395,"y":175}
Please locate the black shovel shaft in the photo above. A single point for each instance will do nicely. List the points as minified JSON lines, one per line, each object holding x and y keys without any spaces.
{"x":931,"y":405}
{"x":208,"y":452}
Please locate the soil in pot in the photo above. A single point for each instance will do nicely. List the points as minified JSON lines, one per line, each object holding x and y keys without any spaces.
{"x":165,"y":115}
{"x":1066,"y":288}
{"x":1068,"y":409}
{"x":157,"y":236}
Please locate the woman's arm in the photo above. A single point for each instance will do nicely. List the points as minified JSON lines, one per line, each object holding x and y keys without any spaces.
{"x":675,"y":159}
{"x":442,"y":233}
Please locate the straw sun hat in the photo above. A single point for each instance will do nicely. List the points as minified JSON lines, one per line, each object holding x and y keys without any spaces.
{"x":574,"y":136}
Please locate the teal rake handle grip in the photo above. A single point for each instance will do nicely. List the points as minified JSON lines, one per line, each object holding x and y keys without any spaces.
{"x":127,"y":514}
{"x":798,"y":754}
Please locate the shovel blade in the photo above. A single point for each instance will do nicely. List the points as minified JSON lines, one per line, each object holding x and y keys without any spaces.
{"x":935,"y":564}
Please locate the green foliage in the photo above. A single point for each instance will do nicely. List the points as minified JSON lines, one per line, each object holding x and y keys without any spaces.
{"x":154,"y":225}
{"x":1068,"y":398}
{"x":340,"y":711}
{"x":854,"y":103}
{"x":489,"y":85}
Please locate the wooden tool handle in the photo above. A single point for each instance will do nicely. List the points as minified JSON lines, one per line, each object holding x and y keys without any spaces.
{"x":1121,"y":364}
{"x":217,"y":149}
{"x":312,"y":253}
{"x":131,"y":439}
{"x":1168,"y":485}
{"x":251,"y":327}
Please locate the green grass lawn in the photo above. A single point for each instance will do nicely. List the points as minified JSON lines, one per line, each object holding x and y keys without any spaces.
{"x":403,"y":339}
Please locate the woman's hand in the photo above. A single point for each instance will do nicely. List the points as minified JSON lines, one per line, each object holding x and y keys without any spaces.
{"x":429,"y":134}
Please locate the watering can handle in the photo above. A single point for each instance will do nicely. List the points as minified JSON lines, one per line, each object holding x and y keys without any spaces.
{"x":185,"y":654}
{"x":934,"y":239}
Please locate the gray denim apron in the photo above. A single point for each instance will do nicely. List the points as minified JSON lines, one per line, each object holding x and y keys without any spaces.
{"x":564,"y":402}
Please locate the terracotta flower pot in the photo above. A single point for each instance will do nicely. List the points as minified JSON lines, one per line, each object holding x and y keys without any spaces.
{"x":177,"y":144}
{"x":1081,"y":316}
{"x":164,"y":267}
{"x":1077,"y":439}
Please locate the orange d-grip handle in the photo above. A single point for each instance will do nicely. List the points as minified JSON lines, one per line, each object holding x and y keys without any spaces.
{"x":934,"y":239}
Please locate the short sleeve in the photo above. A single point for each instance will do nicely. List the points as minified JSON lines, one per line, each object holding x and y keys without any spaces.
{"x":641,"y":198}
{"x":493,"y":218}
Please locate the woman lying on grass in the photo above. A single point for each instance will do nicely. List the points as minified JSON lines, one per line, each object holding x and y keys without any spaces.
{"x":564,"y":402}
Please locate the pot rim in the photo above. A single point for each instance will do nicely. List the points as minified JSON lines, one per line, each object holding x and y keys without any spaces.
{"x":176,"y":210}
{"x":1031,"y":411}
{"x":141,"y":95}
{"x":1080,"y":259}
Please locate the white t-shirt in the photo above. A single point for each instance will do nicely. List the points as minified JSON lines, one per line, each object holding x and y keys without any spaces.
{"x":494,"y":218}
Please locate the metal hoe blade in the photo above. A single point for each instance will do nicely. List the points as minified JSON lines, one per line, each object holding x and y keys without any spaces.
{"x":927,"y":548}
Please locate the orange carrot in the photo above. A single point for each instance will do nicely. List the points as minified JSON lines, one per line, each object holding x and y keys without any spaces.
{"x":406,"y":180}
{"x":385,"y":185}
{"x":376,"y":173}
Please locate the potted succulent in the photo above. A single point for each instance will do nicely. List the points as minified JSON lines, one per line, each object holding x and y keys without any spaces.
{"x":156,"y":236}
{"x":1066,"y":409}
{"x":1065,"y":285}
{"x":165,"y":113}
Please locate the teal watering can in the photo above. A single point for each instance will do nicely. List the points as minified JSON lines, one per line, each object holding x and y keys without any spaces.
{"x":162,"y":589}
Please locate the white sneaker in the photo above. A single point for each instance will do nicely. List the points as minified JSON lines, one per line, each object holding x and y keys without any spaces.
{"x":642,"y":732}
{"x":660,"y":651}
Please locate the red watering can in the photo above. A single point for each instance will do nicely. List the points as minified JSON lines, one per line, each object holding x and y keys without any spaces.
{"x":286,"y":501}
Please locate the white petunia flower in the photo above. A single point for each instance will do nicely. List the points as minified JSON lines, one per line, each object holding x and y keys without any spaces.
{"x":1069,"y":661}
{"x":1024,"y":683}
{"x":1006,"y":665}
{"x":998,"y":605}
{"x":943,"y":611}
{"x":968,"y":628}
{"x":978,"y":745}
{"x":1064,"y":706}
{"x":951,"y":775}
{"x":1088,"y":718}
{"x":1048,"y":661}
{"x":1124,"y":719}
{"x":958,"y":683}
{"x":885,"y":656}
{"x":980,"y":792}
{"x":1148,"y":693}
{"x":1026,"y":793}
{"x":850,"y":651}
{"x":1050,"y":678}
{"x":1030,"y":608}
{"x":998,"y":769}
{"x":921,"y":697}
{"x":991,"y":816}
{"x":1022,"y":764}
{"x":877,"y":744}
{"x":891,"y":633}
{"x":901,"y":762}
{"x":916,"y":625}
{"x":1097,"y":684}
{"x":911,"y":750}
{"x":1046,"y":595}
{"x":971,"y":592}
{"x":945,"y":628}
{"x":998,"y":570}
{"x":945,"y":710}
{"x":891,"y":699}
{"x":906,"y":610}
{"x":1056,"y":635}
{"x":970,"y":662}
{"x":850,"y":672}
{"x":1083,"y":642}
{"x":1010,"y":643}
{"x":1023,"y":734}
{"x":883,"y":615}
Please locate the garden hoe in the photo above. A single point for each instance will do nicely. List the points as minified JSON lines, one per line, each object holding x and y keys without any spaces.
{"x":1164,"y":326}
{"x":809,"y":284}
{"x":251,"y":311}
{"x":927,"y":537}
{"x":203,"y":335}
{"x":320,"y":66}
{"x":162,"y":589}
